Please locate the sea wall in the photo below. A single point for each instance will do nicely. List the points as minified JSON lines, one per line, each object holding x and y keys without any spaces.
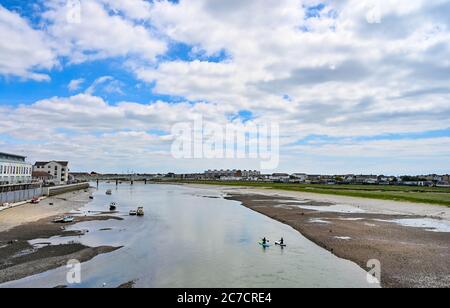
{"x":57,"y":190}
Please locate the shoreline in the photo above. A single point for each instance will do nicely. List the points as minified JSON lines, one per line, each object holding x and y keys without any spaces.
{"x":19,"y":225}
{"x":410,"y":256}
{"x":435,"y":196}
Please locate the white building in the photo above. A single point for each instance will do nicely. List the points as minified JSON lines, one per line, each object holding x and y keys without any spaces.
{"x":281,"y":177}
{"x":14,"y":169}
{"x":58,"y":169}
{"x":301,"y":177}
{"x":251,"y":174}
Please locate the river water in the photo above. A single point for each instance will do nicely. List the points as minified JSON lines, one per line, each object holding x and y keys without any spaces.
{"x":191,"y":237}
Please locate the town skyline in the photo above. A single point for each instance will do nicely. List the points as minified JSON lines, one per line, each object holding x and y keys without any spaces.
{"x":348,"y":94}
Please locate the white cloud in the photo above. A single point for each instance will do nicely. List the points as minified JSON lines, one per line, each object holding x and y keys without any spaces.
{"x":353,"y":68}
{"x":100,"y":34}
{"x":23,"y":50}
{"x":75,"y":84}
{"x":344,"y":75}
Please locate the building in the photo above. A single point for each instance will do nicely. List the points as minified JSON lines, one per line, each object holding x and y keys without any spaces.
{"x":58,"y":169}
{"x":280,"y":177}
{"x":217,"y":174}
{"x":14,"y":169}
{"x":251,"y":174}
{"x":42,"y":177}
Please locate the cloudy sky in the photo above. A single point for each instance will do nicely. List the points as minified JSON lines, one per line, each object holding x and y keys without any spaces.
{"x":356,"y":86}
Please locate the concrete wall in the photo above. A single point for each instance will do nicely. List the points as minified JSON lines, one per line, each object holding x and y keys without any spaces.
{"x":21,"y":195}
{"x":28,"y":194}
{"x":57,"y":190}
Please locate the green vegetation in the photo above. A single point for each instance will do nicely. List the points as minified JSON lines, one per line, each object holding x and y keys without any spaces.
{"x":431,"y":195}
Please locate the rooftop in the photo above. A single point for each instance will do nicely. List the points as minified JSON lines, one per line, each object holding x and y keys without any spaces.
{"x":43,"y":163}
{"x":9,"y":156}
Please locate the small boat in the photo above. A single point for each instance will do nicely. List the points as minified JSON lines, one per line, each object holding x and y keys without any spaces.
{"x":91,"y":197}
{"x":264,"y":245}
{"x":279,"y":244}
{"x":109,"y":192}
{"x":35,"y":200}
{"x":68,"y":219}
{"x":65,"y":219}
{"x":58,"y":220}
{"x":113,"y":206}
{"x":133,"y":213}
{"x":140,"y":211}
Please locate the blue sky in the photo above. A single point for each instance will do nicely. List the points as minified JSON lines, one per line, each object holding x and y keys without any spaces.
{"x":345,"y":81}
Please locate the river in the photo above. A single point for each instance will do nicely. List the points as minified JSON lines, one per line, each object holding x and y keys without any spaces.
{"x":192,"y":237}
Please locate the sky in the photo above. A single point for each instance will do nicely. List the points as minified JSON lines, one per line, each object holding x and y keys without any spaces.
{"x":355,"y":86}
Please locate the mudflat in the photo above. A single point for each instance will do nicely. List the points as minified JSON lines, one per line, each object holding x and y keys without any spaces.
{"x":18,"y":226}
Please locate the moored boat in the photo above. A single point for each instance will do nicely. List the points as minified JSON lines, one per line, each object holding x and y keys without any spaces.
{"x":140,"y":211}
{"x":65,"y":219}
{"x":68,"y":219}
{"x":133,"y":213}
{"x":35,"y":200}
{"x":113,"y":206}
{"x":58,"y":220}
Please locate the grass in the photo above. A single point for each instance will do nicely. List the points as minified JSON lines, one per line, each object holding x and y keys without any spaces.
{"x":430,"y":195}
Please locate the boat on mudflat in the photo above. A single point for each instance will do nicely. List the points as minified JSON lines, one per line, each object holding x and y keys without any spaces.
{"x":113,"y":206}
{"x":133,"y":213}
{"x":140,"y":211}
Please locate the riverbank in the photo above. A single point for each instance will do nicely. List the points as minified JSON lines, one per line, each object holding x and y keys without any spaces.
{"x":413,"y":194}
{"x":410,"y":240}
{"x":52,"y":206}
{"x":20,"y":259}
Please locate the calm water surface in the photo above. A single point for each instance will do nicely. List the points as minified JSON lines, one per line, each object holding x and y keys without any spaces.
{"x":193,"y":237}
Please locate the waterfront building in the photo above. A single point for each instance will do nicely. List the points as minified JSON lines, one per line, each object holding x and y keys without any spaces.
{"x":280,"y":177}
{"x":42,"y":177}
{"x":217,"y":174}
{"x":300,"y":177}
{"x":14,"y":169}
{"x":58,"y":169}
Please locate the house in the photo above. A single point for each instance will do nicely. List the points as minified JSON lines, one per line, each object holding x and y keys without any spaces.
{"x":58,"y":169}
{"x":251,"y":174}
{"x":280,"y":177}
{"x":14,"y":169}
{"x":300,"y":177}
{"x":42,"y":177}
{"x":443,"y":184}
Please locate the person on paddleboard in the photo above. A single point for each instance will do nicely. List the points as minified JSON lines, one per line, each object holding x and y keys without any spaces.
{"x":264,"y":241}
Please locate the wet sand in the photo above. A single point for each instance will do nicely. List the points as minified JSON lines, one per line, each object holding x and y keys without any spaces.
{"x":18,"y":226}
{"x":62,"y":204}
{"x":410,"y":257}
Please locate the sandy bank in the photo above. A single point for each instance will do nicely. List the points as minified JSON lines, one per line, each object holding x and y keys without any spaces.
{"x":374,"y":206}
{"x":18,"y":226}
{"x":32,"y":212}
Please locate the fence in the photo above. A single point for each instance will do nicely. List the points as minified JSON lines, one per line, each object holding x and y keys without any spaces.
{"x":28,"y":194}
{"x":21,"y":195}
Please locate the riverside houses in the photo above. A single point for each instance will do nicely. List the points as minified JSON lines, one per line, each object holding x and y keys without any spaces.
{"x":58,"y":169}
{"x":14,"y":169}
